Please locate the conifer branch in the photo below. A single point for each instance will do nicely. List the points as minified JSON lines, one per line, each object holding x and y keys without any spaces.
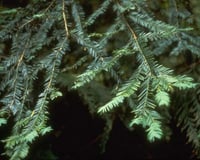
{"x":116,"y":64}
{"x":136,"y":42}
{"x":65,"y":19}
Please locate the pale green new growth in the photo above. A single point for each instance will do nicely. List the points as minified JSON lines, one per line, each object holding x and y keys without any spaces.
{"x":162,"y":98}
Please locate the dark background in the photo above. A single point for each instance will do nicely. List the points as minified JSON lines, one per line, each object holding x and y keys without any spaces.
{"x":76,"y":137}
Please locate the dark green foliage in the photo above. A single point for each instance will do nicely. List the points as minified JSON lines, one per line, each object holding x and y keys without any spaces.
{"x":122,"y":59}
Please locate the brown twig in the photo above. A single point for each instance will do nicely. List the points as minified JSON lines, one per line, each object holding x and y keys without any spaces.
{"x":65,"y":19}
